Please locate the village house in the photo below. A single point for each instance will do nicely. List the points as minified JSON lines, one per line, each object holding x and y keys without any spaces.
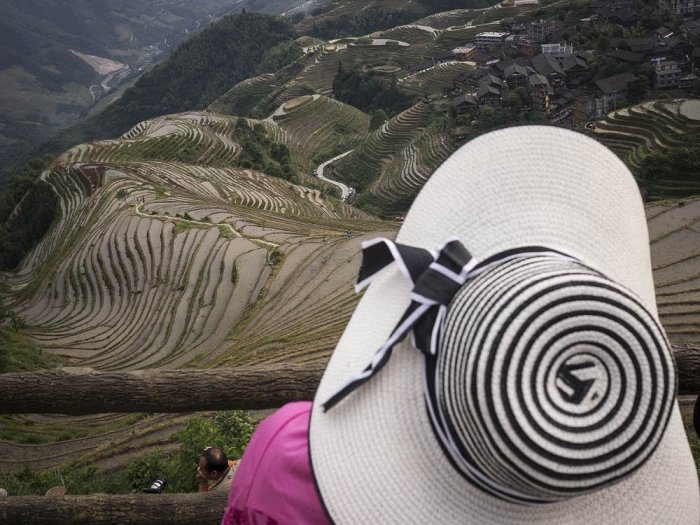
{"x":680,"y":7}
{"x":558,"y":51}
{"x":550,"y":68}
{"x":540,"y":91}
{"x":448,"y":56}
{"x":542,"y":30}
{"x":490,"y":40}
{"x":519,"y":25}
{"x":516,"y":75}
{"x":576,"y":70}
{"x":690,"y":30}
{"x":489,"y":96}
{"x":488,"y":79}
{"x":667,"y":74}
{"x":484,"y":59}
{"x":462,"y":104}
{"x":464,"y":53}
{"x":622,"y":13}
{"x":561,"y":107}
{"x":611,"y":92}
{"x":626,"y":57}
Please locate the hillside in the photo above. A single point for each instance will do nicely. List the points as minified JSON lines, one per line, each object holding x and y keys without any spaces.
{"x":60,"y":59}
{"x":145,"y":100}
{"x":197,"y":72}
{"x":157,"y":261}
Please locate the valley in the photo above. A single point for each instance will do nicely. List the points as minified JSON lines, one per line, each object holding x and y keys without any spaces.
{"x":56,"y":58}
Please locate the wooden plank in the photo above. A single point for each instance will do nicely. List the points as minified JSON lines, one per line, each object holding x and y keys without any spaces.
{"x":108,"y":509}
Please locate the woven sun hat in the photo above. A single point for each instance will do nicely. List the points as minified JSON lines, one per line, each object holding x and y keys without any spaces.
{"x":506,"y":363}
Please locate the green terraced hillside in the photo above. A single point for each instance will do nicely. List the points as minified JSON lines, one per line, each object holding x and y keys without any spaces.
{"x":665,"y":124}
{"x":317,"y":128}
{"x":394,"y":162}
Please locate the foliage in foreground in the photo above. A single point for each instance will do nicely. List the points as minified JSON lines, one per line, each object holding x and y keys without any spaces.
{"x":230,"y":430}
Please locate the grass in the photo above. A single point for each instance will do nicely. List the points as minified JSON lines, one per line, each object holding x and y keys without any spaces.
{"x":184,"y":225}
{"x":19,"y":353}
{"x":31,"y":432}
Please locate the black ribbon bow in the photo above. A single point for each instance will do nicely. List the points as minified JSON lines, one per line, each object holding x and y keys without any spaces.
{"x":434,"y":279}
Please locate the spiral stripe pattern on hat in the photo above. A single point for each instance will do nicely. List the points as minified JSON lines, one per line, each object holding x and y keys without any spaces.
{"x":550,"y":380}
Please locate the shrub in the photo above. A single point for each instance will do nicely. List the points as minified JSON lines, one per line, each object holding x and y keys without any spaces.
{"x":17,"y":322}
{"x":276,"y":256}
{"x":229,"y":430}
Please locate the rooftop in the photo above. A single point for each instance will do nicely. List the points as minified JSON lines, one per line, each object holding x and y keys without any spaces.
{"x":615,"y":83}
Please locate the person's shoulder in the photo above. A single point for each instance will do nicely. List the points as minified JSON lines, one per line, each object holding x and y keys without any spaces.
{"x":286,"y":414}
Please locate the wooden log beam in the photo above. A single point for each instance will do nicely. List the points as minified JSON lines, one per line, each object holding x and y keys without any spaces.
{"x":104,"y":509}
{"x":688,"y":368}
{"x":80,"y":391}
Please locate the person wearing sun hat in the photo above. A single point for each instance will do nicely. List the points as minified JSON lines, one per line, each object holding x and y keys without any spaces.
{"x":506,"y":363}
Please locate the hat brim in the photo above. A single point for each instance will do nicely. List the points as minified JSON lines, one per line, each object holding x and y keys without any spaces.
{"x":374,"y":456}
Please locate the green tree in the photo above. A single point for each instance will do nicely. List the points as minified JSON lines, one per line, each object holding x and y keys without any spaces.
{"x":518,"y":98}
{"x":378,"y":117}
{"x":637,"y":89}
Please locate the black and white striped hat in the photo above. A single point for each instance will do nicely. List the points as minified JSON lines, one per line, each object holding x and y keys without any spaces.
{"x":517,"y":371}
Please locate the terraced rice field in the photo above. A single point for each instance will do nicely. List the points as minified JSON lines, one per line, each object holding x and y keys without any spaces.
{"x":161,"y":263}
{"x":633,"y":132}
{"x":674,"y":230}
{"x":242,"y":98}
{"x":396,"y":160}
{"x":462,"y":35}
{"x":321,"y":73}
{"x":406,"y":173}
{"x":321,"y":128}
{"x":413,"y":34}
{"x":197,"y":137}
{"x":448,"y":19}
{"x":433,"y":80}
{"x":104,"y":449}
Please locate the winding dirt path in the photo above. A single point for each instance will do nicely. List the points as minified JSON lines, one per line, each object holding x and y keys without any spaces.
{"x":139,"y":211}
{"x":343,"y":188}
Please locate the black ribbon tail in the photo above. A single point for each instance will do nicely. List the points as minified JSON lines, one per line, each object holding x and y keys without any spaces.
{"x":380,"y":253}
{"x":433,"y":282}
{"x":356,"y":383}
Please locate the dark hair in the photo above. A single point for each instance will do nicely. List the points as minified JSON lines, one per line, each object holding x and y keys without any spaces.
{"x":216,"y":459}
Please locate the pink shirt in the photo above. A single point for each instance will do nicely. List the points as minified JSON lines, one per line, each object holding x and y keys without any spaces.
{"x":273,"y":483}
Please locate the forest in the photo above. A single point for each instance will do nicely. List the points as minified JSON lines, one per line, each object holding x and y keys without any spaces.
{"x":28,"y":207}
{"x":368,"y":93}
